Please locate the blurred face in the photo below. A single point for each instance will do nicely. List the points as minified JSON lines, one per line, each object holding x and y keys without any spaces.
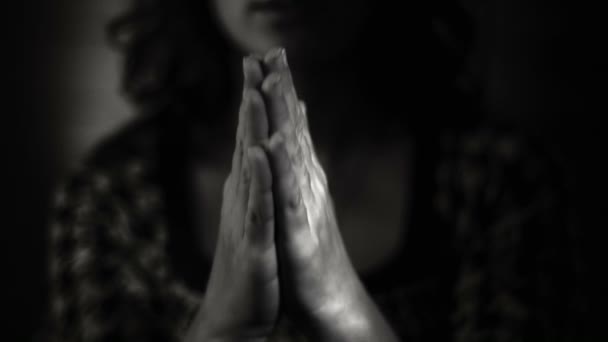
{"x":308,"y":29}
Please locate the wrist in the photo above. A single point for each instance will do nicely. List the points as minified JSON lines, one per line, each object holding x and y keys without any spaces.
{"x":340,"y":316}
{"x":207,"y":327}
{"x":351,"y":316}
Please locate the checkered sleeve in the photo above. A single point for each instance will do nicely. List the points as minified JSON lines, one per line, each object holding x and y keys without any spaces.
{"x":108,"y":274}
{"x":520,"y":275}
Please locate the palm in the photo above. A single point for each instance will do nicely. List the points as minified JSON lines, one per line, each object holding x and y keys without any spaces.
{"x":246,"y":274}
{"x":242,"y":297}
{"x":316,"y":262}
{"x":319,"y":283}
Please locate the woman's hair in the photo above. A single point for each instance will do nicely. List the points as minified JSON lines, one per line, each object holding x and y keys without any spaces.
{"x":176,"y":57}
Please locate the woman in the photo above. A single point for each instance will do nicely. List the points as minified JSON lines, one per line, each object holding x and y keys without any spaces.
{"x":172,"y":231}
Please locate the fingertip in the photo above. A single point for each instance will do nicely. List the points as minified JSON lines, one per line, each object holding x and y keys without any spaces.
{"x":256,"y":157}
{"x":271,"y":82}
{"x":252,"y":71}
{"x":255,"y":97}
{"x":276,"y":140}
{"x":273,"y":56}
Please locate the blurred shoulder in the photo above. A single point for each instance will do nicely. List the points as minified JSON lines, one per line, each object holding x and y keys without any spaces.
{"x":501,"y":146}
{"x":120,"y":170}
{"x":139,"y":139}
{"x":493,"y":165}
{"x":496,"y":141}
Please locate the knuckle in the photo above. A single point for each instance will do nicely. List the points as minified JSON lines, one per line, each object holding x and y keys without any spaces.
{"x":253,"y":219}
{"x":297,"y":218}
{"x":264,"y":262}
{"x":291,"y":183}
{"x":293,"y":202}
{"x":260,"y":217}
{"x":303,"y":245}
{"x":246,"y":176}
{"x":256,"y":98}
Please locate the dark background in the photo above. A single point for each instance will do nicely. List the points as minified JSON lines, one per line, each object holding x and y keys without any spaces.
{"x":537,"y":60}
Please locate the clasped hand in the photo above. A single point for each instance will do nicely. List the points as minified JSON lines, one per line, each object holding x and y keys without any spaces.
{"x":279,"y":249}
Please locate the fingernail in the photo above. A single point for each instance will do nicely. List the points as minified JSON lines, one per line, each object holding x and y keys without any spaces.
{"x":275,"y":52}
{"x":275,"y":140}
{"x":276,"y":80}
{"x":283,"y":57}
{"x":273,"y":55}
{"x":280,"y":57}
{"x":271,"y":82}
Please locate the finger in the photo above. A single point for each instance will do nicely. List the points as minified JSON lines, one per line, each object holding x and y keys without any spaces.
{"x":252,"y":78}
{"x":252,"y":73}
{"x":275,"y":62}
{"x":290,"y":207}
{"x":257,"y":121}
{"x":303,"y":109}
{"x":237,"y":155}
{"x":303,"y":115}
{"x":259,"y":223}
{"x":306,"y":140}
{"x":271,"y":61}
{"x":243,"y":183}
{"x":278,"y":112}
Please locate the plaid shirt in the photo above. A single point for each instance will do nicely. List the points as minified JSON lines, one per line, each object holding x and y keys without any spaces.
{"x":511,"y":272}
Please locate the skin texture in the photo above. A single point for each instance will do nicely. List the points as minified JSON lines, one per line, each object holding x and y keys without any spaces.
{"x":242,"y":297}
{"x":318,"y":281}
{"x":279,"y":248}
